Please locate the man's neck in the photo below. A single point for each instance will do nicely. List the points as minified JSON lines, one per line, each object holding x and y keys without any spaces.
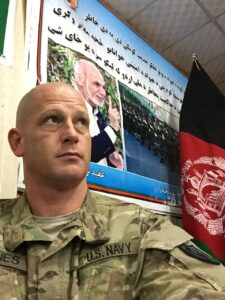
{"x":91,"y":108}
{"x":47,"y":201}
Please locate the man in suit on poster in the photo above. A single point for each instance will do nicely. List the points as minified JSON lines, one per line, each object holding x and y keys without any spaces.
{"x":90,"y":83}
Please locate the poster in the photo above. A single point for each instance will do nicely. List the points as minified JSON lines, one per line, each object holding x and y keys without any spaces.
{"x":144,"y":88}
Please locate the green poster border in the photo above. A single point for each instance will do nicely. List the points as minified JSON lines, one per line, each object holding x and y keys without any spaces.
{"x":4,"y":6}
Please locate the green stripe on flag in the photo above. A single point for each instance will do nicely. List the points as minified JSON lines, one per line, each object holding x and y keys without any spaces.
{"x":205,"y":248}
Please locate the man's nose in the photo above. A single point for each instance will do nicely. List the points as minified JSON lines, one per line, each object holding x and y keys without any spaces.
{"x":69,"y":133}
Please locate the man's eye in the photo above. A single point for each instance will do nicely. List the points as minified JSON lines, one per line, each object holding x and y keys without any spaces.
{"x":53,"y":120}
{"x":83,"y":122}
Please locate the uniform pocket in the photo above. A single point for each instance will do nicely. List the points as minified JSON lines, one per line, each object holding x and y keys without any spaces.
{"x":12,"y":285}
{"x":110,"y":284}
{"x":107,"y":271}
{"x":119,"y":287}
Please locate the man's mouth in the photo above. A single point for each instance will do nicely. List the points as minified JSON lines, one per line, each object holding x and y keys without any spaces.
{"x":69,"y":154}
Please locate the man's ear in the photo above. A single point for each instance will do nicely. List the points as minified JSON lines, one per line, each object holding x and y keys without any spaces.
{"x":79,"y":80}
{"x":16,"y":142}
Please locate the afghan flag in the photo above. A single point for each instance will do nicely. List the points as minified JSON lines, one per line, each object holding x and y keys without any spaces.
{"x":202,"y":161}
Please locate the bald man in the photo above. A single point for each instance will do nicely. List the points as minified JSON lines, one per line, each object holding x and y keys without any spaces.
{"x":50,"y":149}
{"x":90,"y":83}
{"x":60,"y":241}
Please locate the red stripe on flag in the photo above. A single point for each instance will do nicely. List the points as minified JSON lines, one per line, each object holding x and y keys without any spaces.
{"x":203,"y":191}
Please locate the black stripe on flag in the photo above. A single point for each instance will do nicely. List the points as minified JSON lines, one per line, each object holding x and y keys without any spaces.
{"x":203,"y":110}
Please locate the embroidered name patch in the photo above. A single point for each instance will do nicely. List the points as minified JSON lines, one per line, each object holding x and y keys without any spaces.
{"x":12,"y":260}
{"x":108,"y":250}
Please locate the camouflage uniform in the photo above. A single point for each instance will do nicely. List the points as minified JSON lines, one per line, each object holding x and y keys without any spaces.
{"x":110,"y":250}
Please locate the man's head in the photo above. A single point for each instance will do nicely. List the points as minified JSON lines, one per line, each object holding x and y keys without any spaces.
{"x":90,"y":82}
{"x":52,"y":135}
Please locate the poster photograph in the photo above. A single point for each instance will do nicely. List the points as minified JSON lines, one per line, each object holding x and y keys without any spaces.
{"x":139,"y":85}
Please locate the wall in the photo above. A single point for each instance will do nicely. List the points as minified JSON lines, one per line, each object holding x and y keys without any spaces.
{"x":12,"y":87}
{"x":14,"y":82}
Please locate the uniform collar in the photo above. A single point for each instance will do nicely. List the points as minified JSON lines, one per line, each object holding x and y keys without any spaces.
{"x":22,"y":228}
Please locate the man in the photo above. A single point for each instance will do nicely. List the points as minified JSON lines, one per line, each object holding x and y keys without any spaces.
{"x":90,"y":83}
{"x":60,"y":241}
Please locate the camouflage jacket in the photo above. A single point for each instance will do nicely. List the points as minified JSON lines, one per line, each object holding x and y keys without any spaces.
{"x":111,"y":250}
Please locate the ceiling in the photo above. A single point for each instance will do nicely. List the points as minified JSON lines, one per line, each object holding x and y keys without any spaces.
{"x":178,"y":28}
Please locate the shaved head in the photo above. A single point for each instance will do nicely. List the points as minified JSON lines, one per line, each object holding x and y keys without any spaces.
{"x":30,"y":101}
{"x":52,"y":137}
{"x":52,"y":134}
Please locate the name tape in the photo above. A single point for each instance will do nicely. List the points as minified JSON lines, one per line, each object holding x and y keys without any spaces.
{"x":108,"y":250}
{"x":13,"y":260}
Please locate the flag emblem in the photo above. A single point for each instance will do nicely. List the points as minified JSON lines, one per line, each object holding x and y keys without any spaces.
{"x":203,"y":191}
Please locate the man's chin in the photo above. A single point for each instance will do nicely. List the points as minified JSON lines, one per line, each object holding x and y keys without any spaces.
{"x":101,"y":103}
{"x":67,"y":182}
{"x":98,"y":102}
{"x":67,"y":178}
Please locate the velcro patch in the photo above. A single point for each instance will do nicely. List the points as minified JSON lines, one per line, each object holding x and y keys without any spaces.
{"x":13,"y":260}
{"x":197,"y":253}
{"x":108,"y":250}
